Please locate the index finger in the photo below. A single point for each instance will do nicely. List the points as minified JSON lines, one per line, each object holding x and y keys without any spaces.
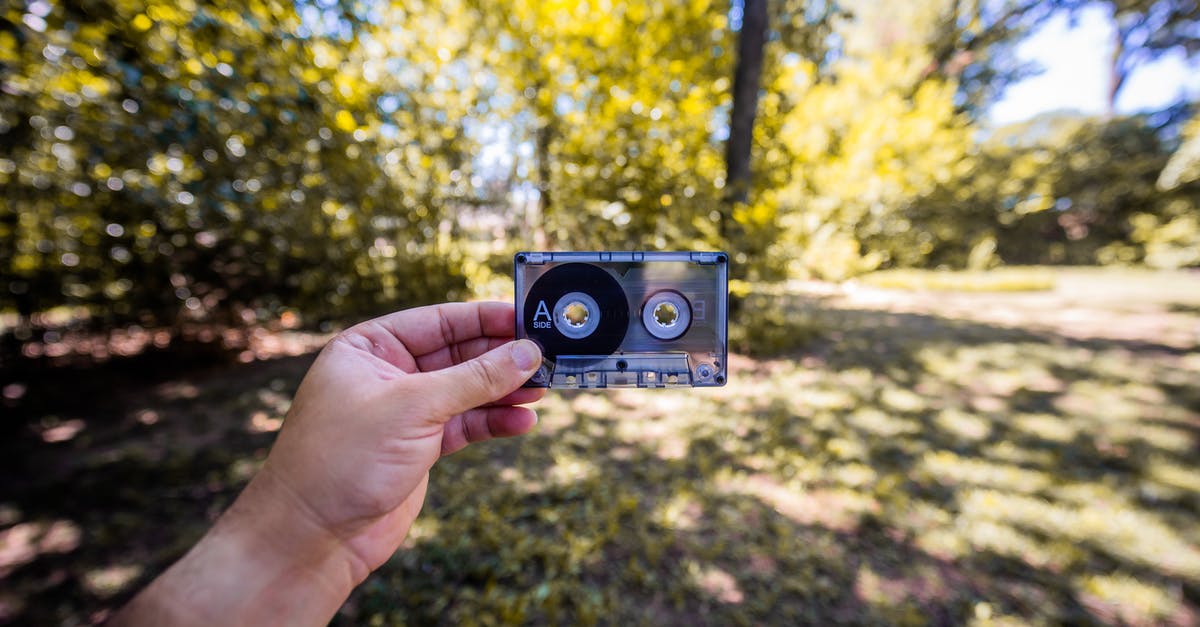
{"x":427,"y":329}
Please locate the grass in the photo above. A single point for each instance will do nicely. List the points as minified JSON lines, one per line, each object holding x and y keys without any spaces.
{"x":958,"y":458}
{"x":1007,"y":279}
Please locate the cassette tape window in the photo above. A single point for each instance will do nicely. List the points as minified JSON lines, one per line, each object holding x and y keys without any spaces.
{"x":624,"y":319}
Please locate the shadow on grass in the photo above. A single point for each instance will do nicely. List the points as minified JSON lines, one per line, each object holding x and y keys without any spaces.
{"x":907,"y":469}
{"x":111,"y":472}
{"x":882,"y":468}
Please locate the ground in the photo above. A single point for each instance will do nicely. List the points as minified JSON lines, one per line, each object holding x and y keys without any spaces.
{"x":879,"y":456}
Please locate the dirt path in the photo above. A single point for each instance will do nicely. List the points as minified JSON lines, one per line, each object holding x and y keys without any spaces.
{"x":1158,"y":307}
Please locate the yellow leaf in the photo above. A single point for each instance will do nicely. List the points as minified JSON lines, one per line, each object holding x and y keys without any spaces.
{"x":142,"y":23}
{"x":8,"y":47}
{"x":345,"y":121}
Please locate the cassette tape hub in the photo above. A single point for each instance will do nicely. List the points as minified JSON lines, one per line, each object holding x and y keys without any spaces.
{"x":624,"y":319}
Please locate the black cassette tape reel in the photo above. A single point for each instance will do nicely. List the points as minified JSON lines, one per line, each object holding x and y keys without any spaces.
{"x":624,"y":319}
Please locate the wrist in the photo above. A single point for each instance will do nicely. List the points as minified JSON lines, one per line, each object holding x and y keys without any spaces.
{"x":264,"y":562}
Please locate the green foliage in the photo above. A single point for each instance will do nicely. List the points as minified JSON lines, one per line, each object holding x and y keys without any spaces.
{"x":1068,"y":189}
{"x":882,"y":167}
{"x":223,"y":161}
{"x":162,"y":158}
{"x":865,"y":140}
{"x":622,"y":147}
{"x":1184,"y":165}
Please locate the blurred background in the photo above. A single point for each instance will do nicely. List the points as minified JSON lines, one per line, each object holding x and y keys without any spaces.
{"x":966,"y":308}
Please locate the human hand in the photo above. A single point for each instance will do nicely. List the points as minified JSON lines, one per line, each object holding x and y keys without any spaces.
{"x":347,"y":475}
{"x":383,"y":402}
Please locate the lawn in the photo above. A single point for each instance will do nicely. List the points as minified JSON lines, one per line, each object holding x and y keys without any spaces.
{"x":879,"y":456}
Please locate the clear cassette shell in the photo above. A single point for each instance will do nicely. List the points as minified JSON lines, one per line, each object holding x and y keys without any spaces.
{"x":624,"y":319}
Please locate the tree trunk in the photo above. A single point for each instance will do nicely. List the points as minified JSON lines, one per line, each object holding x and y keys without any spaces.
{"x":747,"y":79}
{"x":543,"y":135}
{"x":1116,"y":69}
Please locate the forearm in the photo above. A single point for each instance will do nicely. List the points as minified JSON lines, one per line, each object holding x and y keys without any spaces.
{"x":263,"y":563}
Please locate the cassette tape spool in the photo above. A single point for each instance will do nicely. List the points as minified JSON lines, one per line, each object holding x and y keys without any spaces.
{"x":624,"y":319}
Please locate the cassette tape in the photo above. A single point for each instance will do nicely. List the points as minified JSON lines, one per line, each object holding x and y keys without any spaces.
{"x":624,"y":319}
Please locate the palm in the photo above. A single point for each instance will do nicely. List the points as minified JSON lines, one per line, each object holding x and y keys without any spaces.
{"x":401,"y":425}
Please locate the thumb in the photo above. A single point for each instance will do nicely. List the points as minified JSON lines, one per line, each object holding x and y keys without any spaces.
{"x":479,"y":381}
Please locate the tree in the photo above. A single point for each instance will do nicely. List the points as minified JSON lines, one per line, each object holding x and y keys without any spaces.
{"x":616,"y":110}
{"x":866,"y":137}
{"x":974,"y":44}
{"x":1144,"y":30}
{"x":161,"y":160}
{"x":747,"y":81}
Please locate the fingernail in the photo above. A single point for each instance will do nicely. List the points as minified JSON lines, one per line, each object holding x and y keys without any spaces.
{"x":525,"y":354}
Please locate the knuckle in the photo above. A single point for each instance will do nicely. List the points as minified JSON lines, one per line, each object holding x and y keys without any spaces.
{"x":351,"y":338}
{"x":466,"y":429}
{"x":487,"y":373}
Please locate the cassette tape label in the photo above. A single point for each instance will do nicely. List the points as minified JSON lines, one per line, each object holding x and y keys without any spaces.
{"x":624,"y":319}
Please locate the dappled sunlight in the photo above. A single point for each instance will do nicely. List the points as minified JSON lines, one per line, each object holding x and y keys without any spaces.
{"x":880,"y":423}
{"x":918,"y":428}
{"x":1153,"y":436}
{"x":934,"y":469}
{"x":964,"y":426}
{"x":178,"y":390}
{"x":1115,"y":528}
{"x":1174,"y":475}
{"x":1128,"y":600}
{"x":833,"y":508}
{"x":961,"y":539}
{"x":1045,"y":426}
{"x":967,"y":451}
{"x":25,"y":542}
{"x":948,"y":468}
{"x":1104,"y":399}
{"x":262,"y":422}
{"x":423,"y":529}
{"x":111,"y":580}
{"x":717,"y":583}
{"x":1011,"y":452}
{"x":679,"y":512}
{"x":570,"y":469}
{"x":242,"y":470}
{"x":54,"y":431}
